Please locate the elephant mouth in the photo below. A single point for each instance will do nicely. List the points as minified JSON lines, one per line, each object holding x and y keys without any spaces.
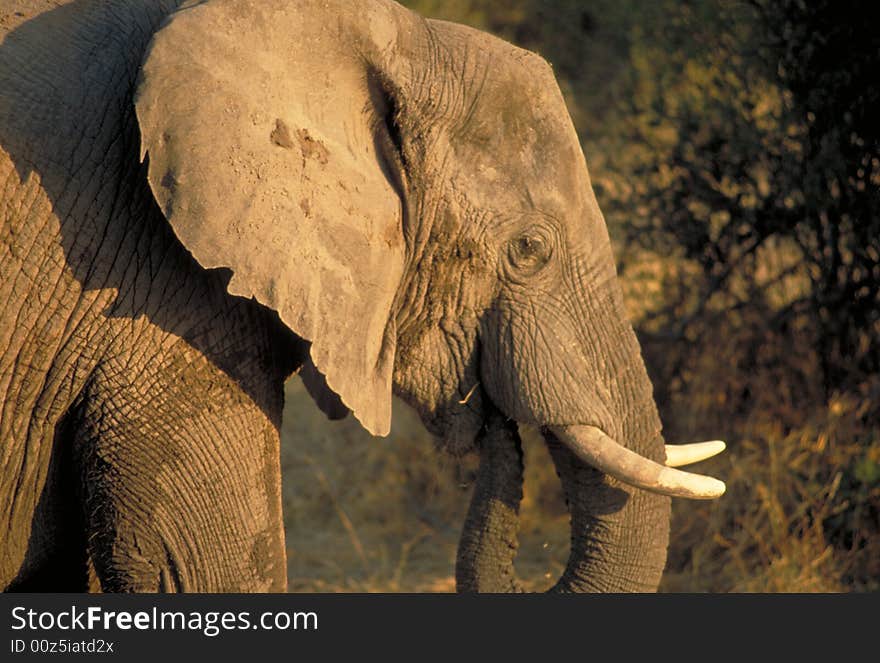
{"x":594,"y":447}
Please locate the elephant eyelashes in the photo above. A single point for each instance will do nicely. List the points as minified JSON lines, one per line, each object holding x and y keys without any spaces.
{"x":529,"y":253}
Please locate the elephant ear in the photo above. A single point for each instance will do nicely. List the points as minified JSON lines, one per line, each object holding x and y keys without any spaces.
{"x":261,"y":135}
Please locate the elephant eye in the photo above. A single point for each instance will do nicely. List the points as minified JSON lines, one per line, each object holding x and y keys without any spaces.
{"x":529,"y":252}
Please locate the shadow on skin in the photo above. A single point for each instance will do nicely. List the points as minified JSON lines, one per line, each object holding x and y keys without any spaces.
{"x":81,"y":139}
{"x":67,"y":118}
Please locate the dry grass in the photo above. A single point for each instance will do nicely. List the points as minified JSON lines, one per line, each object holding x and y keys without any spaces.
{"x":368,"y":514}
{"x":363,"y":513}
{"x":800,"y":515}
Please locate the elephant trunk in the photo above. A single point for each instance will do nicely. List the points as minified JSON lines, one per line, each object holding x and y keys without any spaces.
{"x":489,"y":540}
{"x":617,"y":492}
{"x":619,"y":531}
{"x":619,"y":534}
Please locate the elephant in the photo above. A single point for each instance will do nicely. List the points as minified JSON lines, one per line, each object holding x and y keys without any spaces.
{"x":201,"y":199}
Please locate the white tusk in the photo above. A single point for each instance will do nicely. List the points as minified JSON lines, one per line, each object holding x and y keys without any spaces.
{"x":594,"y":447}
{"x":685,"y":454}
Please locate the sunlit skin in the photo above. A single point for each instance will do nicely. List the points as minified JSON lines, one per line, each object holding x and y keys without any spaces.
{"x":383,"y":203}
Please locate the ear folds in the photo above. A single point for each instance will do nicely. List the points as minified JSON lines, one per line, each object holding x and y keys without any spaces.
{"x":260,"y":134}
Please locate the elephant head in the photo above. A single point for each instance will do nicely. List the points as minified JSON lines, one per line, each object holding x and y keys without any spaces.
{"x":411,"y":197}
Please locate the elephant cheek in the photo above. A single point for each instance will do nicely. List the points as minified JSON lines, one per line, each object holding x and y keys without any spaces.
{"x":454,"y":418}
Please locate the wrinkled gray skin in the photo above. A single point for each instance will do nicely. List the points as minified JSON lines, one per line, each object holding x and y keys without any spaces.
{"x":384,"y":202}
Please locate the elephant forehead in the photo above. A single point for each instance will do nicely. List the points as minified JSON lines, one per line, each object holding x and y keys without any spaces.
{"x":514,"y":182}
{"x":519,"y":140}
